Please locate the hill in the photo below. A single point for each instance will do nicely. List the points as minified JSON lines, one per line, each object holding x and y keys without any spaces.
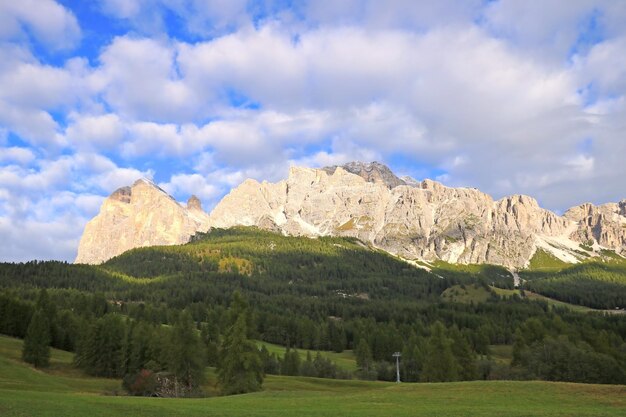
{"x":328,"y":294}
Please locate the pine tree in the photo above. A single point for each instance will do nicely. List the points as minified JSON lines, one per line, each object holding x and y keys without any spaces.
{"x":100,"y":350}
{"x":291,"y":363}
{"x":36,"y":348}
{"x":440,"y":364}
{"x":336,"y":337}
{"x":209,"y":333}
{"x":186,"y":355}
{"x":307,"y":368}
{"x":363,"y":354}
{"x":519,"y":348}
{"x":413,"y":359}
{"x":240,"y":369}
{"x":464,"y":355}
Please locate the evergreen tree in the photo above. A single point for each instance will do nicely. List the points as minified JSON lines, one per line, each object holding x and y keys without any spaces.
{"x":271,"y":364}
{"x":291,"y":363}
{"x":324,"y":368}
{"x":100,"y":350}
{"x":519,"y":348}
{"x":413,"y":359}
{"x":36,"y":348}
{"x":363,"y":354}
{"x":336,"y":337}
{"x":44,"y":303}
{"x":186,"y":355}
{"x":240,"y":369}
{"x":209,"y":333}
{"x":307,"y":368}
{"x":440,"y":364}
{"x":464,"y":355}
{"x":138,"y":347}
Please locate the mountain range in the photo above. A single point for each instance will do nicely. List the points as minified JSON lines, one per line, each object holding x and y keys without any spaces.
{"x":422,"y":221}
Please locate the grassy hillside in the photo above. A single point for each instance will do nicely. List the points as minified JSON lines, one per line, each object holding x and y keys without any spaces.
{"x":345,"y":360}
{"x":598,"y":282}
{"x":470,"y":293}
{"x":27,"y":392}
{"x":325,"y":294}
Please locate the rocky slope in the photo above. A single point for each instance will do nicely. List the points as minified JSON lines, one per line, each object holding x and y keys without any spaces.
{"x":416,"y":220}
{"x":141,"y":215}
{"x":604,"y":224}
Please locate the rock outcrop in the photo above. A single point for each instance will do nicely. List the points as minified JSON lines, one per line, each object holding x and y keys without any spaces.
{"x":416,"y":220}
{"x":141,"y":215}
{"x":604,"y":224}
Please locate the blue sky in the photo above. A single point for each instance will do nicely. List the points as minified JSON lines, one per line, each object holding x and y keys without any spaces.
{"x":511,"y":97}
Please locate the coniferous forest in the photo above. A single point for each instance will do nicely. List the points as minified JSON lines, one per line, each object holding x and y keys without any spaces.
{"x":157,"y":317}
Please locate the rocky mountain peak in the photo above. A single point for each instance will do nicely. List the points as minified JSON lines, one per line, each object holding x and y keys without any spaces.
{"x":194,"y":203}
{"x":370,"y":171}
{"x":416,"y":220}
{"x":122,"y":194}
{"x":140,"y":215}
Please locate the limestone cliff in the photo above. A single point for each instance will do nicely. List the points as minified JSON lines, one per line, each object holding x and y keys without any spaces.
{"x":141,"y":215}
{"x":604,"y":224}
{"x":416,"y":220}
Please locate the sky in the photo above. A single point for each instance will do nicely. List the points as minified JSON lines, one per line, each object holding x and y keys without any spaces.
{"x":511,"y":97}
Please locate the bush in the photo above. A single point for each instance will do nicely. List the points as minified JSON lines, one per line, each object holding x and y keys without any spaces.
{"x":143,"y":383}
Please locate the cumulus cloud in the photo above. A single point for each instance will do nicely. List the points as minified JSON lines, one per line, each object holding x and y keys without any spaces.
{"x":48,"y":21}
{"x":99,"y":132}
{"x":48,"y":202}
{"x":139,"y":79}
{"x":22,"y":156}
{"x":191,"y":184}
{"x":507,"y":96}
{"x":202,"y":17}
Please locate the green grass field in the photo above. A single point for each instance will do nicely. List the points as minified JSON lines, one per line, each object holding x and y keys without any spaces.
{"x":551,"y":301}
{"x":63,"y":391}
{"x":469,"y":293}
{"x":544,"y":261}
{"x":345,"y":360}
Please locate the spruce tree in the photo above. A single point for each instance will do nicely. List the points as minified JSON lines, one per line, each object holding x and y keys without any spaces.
{"x":186,"y":355}
{"x":440,"y":364}
{"x":36,"y":348}
{"x":464,"y":355}
{"x":291,"y":363}
{"x":413,"y":359}
{"x":240,"y":369}
{"x":307,"y":368}
{"x":363,"y":354}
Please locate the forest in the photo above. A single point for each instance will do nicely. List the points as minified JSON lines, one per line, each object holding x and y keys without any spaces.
{"x":155,"y":316}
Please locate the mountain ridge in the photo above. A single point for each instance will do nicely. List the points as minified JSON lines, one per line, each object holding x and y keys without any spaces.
{"x":417,"y":220}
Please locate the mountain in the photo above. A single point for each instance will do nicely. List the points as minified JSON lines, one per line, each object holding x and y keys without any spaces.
{"x":137,"y":216}
{"x":416,"y":220}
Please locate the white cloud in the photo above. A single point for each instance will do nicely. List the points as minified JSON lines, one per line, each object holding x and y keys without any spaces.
{"x":148,"y":138}
{"x":95,"y":131}
{"x":22,"y":156}
{"x":48,"y":21}
{"x":185,"y":185}
{"x":33,"y":125}
{"x":506,"y":96}
{"x":409,"y":14}
{"x":30,"y":91}
{"x":140,"y":80}
{"x":605,"y":67}
{"x":31,"y":239}
{"x":44,"y":207}
{"x":201,"y":17}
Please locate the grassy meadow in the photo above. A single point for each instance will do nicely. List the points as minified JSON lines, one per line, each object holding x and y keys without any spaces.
{"x":63,"y":391}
